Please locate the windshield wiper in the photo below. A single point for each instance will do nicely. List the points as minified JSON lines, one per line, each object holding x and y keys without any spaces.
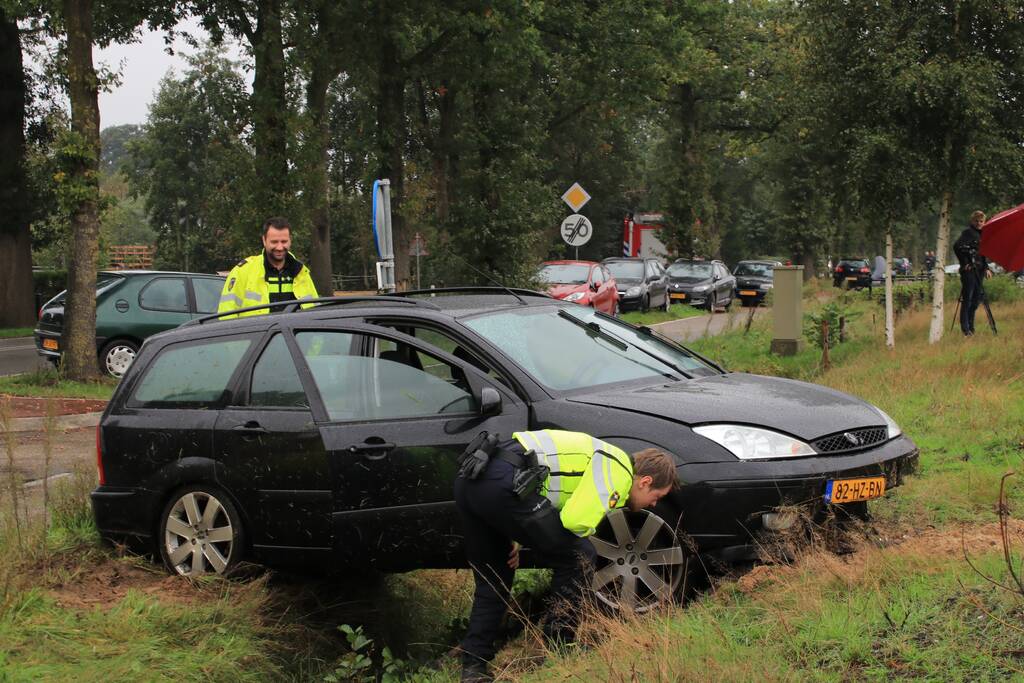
{"x":594,"y":330}
{"x":622,"y":344}
{"x":644,"y":329}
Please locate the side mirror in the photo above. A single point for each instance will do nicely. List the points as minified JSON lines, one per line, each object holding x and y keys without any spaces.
{"x":490,"y":401}
{"x":594,"y":286}
{"x":716,"y":277}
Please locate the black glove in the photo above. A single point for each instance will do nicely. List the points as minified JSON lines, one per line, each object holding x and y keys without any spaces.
{"x":477,"y":454}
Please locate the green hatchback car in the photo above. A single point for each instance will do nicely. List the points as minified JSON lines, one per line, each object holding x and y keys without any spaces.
{"x":130,"y":306}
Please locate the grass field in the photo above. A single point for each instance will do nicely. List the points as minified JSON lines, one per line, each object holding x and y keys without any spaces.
{"x":905,"y":604}
{"x":652,"y":317}
{"x":9,"y":332}
{"x":46,"y":383}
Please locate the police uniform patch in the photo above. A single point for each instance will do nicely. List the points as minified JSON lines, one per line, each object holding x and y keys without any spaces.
{"x":231,"y":283}
{"x":242,"y":263}
{"x":613,"y":500}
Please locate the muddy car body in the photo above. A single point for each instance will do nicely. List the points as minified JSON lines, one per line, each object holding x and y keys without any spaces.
{"x":331,"y":434}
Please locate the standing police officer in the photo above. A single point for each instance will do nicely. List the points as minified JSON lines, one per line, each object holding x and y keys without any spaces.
{"x":547,"y":490}
{"x":275,"y":275}
{"x":973,"y":268}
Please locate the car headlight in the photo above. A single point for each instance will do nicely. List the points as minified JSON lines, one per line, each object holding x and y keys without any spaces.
{"x":633,"y":291}
{"x":575,"y":296}
{"x":752,"y":443}
{"x":700,"y":288}
{"x":891,"y":427}
{"x":766,"y":286}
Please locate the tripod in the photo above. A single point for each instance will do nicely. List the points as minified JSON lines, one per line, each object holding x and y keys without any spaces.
{"x":984,"y":302}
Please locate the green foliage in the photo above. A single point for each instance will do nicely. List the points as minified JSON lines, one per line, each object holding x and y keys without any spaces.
{"x":364,"y":664}
{"x":49,"y":283}
{"x":836,"y":314}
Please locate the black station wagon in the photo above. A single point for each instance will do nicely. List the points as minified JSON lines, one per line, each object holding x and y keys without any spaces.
{"x":330,"y":435}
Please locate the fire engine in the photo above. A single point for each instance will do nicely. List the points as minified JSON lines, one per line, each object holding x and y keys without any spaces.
{"x":640,"y":235}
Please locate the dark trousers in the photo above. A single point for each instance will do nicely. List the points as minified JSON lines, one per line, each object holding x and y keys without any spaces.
{"x":970,"y":297}
{"x":492,"y":517}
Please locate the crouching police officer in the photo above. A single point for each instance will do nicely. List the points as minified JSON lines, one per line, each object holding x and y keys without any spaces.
{"x":547,"y":490}
{"x":272,"y":276}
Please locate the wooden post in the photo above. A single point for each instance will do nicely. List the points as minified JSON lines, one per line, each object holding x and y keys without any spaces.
{"x":824,"y":345}
{"x":842,"y":328}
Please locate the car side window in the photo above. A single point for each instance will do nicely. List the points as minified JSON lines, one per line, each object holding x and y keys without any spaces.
{"x":597,"y":276}
{"x":207,"y":291}
{"x":392,"y":381}
{"x":192,"y":375}
{"x":446,"y":343}
{"x":165,"y":294}
{"x":275,"y":381}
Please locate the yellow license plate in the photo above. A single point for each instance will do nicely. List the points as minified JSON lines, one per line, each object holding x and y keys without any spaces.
{"x":680,"y":295}
{"x":50,"y":344}
{"x":852,"y":278}
{"x":747,"y":292}
{"x":853,"y":490}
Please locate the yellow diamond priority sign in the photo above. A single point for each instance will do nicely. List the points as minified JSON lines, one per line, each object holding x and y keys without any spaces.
{"x":576,"y":197}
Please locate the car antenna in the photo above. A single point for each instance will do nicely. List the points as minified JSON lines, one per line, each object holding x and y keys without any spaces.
{"x":488,"y":277}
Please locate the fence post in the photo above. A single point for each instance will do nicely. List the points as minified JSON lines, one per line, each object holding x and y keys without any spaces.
{"x":842,"y":328}
{"x":824,"y":345}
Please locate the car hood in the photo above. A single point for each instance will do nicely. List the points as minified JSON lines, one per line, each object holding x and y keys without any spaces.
{"x":806,"y":411}
{"x":690,"y":281}
{"x":561,"y":291}
{"x":622,"y":283}
{"x":752,"y":279}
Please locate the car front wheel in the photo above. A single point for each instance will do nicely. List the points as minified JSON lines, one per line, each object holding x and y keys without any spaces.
{"x":640,"y":562}
{"x":200,"y":532}
{"x":117,"y":356}
{"x":668,"y":302}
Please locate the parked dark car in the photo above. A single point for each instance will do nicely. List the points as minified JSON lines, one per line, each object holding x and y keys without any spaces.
{"x":131,"y":305}
{"x":754,"y":279}
{"x":852,"y":273}
{"x":901,"y":265}
{"x":581,"y":282}
{"x":329,"y":436}
{"x":642,"y":283}
{"x":707,"y":284}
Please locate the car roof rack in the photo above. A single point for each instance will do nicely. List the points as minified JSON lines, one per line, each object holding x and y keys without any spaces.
{"x":322,"y":302}
{"x":478,"y":289}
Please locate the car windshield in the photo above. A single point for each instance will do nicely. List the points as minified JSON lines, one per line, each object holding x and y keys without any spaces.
{"x":564,"y":274}
{"x":853,"y":264}
{"x":754,"y":269}
{"x":700,"y":270}
{"x":626,"y":270}
{"x":566,"y":350}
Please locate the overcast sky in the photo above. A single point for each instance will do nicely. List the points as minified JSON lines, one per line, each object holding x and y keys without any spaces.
{"x":141,"y":66}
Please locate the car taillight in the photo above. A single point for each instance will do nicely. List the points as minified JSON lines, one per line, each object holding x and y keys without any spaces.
{"x":99,"y":456}
{"x":40,"y":315}
{"x":864,"y":270}
{"x":839,"y":269}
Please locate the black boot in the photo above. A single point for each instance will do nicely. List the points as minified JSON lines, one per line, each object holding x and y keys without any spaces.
{"x":476,"y":671}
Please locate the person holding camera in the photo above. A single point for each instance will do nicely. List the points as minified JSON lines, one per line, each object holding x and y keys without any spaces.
{"x":546,"y":490}
{"x":973,"y":270}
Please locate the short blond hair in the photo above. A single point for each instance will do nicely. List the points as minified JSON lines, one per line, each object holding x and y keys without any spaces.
{"x":658,"y":465}
{"x":977,"y":217}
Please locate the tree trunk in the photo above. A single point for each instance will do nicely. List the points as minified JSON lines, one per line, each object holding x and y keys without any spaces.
{"x":79,"y":335}
{"x":890,"y":319}
{"x":391,"y":135}
{"x":939,"y":272}
{"x":17,"y":303}
{"x":318,"y":182}
{"x":444,"y":152}
{"x":270,"y":111}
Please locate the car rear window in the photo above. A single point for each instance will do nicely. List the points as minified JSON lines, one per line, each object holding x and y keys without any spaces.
{"x":192,"y":374}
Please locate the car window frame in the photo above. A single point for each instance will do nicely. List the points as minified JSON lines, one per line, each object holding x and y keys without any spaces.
{"x":193,"y":299}
{"x":189,"y":298}
{"x":230,"y":388}
{"x":243,"y":392}
{"x":477,"y":380}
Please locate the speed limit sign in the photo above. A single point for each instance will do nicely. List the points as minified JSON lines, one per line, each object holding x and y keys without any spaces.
{"x":576,"y":230}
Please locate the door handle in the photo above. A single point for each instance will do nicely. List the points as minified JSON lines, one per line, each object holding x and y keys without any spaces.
{"x":371,"y":451}
{"x":250,"y":429}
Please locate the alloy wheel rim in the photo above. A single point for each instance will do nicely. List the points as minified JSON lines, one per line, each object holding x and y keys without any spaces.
{"x":119,"y":359}
{"x":637,"y":572}
{"x":199,"y":536}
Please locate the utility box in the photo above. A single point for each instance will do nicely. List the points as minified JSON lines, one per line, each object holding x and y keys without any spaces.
{"x":787,"y":310}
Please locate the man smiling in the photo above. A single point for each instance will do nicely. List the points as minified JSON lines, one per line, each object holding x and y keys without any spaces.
{"x":273,"y":276}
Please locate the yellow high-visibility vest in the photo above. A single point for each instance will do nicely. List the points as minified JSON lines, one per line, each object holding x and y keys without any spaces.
{"x":588,"y":476}
{"x":247,"y":285}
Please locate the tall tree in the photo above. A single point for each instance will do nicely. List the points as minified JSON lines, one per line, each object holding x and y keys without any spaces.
{"x":16,"y":301}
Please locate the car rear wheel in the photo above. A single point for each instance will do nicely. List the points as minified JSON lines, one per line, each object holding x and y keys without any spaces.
{"x":117,"y":356}
{"x":200,"y":532}
{"x":640,"y":562}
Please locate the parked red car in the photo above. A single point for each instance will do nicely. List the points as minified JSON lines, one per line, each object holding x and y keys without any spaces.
{"x":582,"y":282}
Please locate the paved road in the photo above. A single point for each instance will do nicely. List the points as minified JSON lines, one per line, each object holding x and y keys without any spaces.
{"x":689,"y":329}
{"x":19,"y":355}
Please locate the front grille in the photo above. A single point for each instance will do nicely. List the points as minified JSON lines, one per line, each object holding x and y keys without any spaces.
{"x":861,"y":438}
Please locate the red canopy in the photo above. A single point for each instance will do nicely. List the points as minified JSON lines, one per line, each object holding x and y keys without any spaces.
{"x":1002,"y":238}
